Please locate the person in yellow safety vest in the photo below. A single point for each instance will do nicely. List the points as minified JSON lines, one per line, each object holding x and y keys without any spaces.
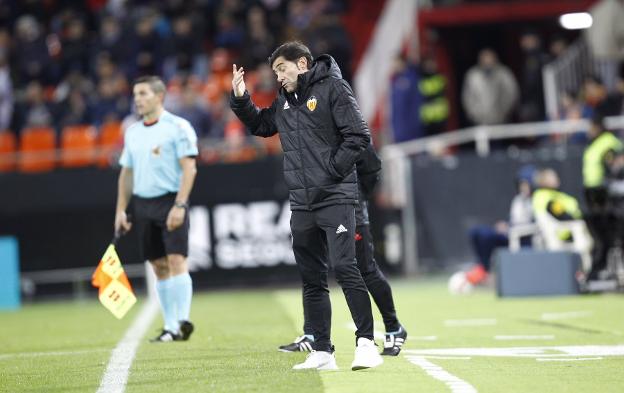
{"x":434,"y":110}
{"x":548,"y":199}
{"x":598,"y":160}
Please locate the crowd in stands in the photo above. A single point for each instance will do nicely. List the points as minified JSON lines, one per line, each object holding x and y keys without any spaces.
{"x":493,"y":94}
{"x":65,"y":63}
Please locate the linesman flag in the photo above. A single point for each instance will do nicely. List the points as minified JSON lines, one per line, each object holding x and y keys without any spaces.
{"x":115,"y":290}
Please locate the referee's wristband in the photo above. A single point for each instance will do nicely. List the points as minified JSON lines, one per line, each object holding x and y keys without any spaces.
{"x":183,"y":205}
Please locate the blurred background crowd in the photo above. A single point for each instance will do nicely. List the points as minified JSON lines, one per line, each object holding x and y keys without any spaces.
{"x":67,"y":64}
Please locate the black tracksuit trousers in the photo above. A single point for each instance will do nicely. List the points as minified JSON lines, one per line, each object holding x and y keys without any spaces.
{"x":322,"y":237}
{"x":375,"y":281}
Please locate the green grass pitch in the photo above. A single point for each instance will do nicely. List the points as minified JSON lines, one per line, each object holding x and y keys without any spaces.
{"x":554,"y":344}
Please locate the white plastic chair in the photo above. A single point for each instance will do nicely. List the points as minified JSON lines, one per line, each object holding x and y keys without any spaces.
{"x":582,"y":242}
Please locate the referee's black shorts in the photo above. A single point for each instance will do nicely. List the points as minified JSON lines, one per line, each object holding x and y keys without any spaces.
{"x":150,"y":220}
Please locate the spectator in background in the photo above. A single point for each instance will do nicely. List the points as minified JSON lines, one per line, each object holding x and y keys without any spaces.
{"x":434,"y":110}
{"x":75,"y":110}
{"x":31,"y":54}
{"x":328,"y":35}
{"x":147,"y":49}
{"x":73,"y":81}
{"x":405,"y":101}
{"x":571,"y":108}
{"x":106,"y":69}
{"x":6,"y":92}
{"x":186,"y":53}
{"x":193,"y":109}
{"x":606,"y":36}
{"x":490,"y":91}
{"x":558,"y":45}
{"x":598,"y":98}
{"x":258,"y":41}
{"x":110,"y":104}
{"x":33,"y":110}
{"x":111,"y":41}
{"x":485,"y":239}
{"x":532,"y":106}
{"x":617,"y":96}
{"x":74,"y":47}
{"x":230,"y":35}
{"x":299,"y":19}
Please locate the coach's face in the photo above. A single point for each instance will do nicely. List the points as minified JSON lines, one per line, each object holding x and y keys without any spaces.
{"x":287,"y":72}
{"x":145,"y":100}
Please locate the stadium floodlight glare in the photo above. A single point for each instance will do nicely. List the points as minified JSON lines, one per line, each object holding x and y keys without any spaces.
{"x":576,"y":20}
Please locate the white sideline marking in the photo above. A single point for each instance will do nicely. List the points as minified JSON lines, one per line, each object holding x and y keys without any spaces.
{"x":525,"y":337}
{"x":116,"y":374}
{"x":566,"y":359}
{"x":554,"y":316}
{"x":470,"y":322}
{"x":448,"y":357}
{"x":523,"y":352}
{"x":50,"y":353}
{"x":456,"y":384}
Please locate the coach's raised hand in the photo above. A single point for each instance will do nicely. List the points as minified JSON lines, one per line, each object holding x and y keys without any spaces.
{"x":238,"y":82}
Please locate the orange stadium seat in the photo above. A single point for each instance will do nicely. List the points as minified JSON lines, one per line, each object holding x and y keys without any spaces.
{"x":8,"y":148}
{"x":37,"y":149}
{"x":110,"y":140}
{"x":78,"y":146}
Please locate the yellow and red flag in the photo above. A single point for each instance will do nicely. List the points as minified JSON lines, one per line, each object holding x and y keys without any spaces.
{"x":115,"y":290}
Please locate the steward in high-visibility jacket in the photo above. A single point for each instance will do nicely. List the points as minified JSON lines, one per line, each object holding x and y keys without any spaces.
{"x":598,"y":156}
{"x":598,"y":160}
{"x":434,"y":110}
{"x":559,"y":205}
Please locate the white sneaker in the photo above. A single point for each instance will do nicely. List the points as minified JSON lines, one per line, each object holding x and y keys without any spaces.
{"x":318,"y":360}
{"x":366,"y":355}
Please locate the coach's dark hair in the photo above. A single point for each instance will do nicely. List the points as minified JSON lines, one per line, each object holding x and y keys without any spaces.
{"x":156,"y":84}
{"x":292,"y":51}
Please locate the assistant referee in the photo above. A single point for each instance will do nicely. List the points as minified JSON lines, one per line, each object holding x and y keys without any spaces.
{"x":158,"y":171}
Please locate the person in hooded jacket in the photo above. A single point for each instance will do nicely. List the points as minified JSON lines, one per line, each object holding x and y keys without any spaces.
{"x":323,"y":135}
{"x":368,"y":171}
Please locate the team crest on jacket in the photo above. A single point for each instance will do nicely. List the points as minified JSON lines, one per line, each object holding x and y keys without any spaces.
{"x":311,"y":103}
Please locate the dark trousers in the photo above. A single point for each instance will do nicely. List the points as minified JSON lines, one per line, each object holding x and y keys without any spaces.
{"x":484,"y":241}
{"x":322,"y":237}
{"x":375,"y":281}
{"x":602,"y":225}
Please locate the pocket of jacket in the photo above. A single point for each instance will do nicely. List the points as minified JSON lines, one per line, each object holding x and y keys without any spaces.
{"x":331,"y":168}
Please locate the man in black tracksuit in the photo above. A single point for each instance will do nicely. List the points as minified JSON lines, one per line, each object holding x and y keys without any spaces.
{"x":368,"y":171}
{"x":322,"y":134}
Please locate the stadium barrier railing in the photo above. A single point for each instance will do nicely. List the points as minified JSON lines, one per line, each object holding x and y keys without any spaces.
{"x":397,"y":180}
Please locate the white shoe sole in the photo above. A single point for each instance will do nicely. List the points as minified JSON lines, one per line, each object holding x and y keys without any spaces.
{"x":362,"y":366}
{"x":325,"y":367}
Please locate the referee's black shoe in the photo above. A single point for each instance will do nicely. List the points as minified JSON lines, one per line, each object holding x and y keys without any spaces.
{"x":301,"y":344}
{"x":394,"y":342}
{"x":186,"y":329}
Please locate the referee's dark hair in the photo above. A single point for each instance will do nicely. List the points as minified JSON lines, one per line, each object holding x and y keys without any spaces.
{"x":292,"y":51}
{"x":156,"y":84}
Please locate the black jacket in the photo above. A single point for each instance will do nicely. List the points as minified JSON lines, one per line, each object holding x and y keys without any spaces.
{"x":322,"y":133}
{"x":368,"y":171}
